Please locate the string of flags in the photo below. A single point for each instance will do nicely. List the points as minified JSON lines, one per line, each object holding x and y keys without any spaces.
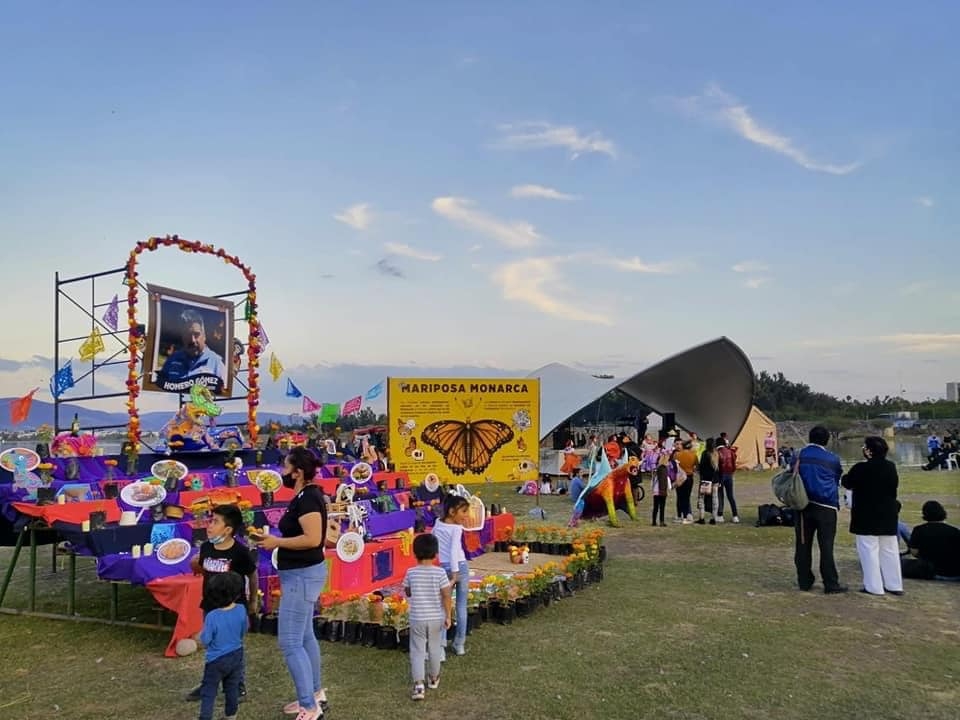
{"x":63,"y":379}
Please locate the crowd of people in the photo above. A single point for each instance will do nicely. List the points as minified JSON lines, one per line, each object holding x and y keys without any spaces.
{"x":939,"y":450}
{"x":689,"y":468}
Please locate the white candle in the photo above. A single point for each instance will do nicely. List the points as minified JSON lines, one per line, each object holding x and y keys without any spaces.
{"x":61,"y":499}
{"x":266,"y":529}
{"x":148,"y":549}
{"x":135,"y":551}
{"x":85,"y":526}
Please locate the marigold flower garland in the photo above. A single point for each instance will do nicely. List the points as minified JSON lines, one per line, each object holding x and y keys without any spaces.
{"x":137,"y":341}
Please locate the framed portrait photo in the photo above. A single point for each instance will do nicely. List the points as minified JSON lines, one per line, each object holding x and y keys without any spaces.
{"x":189,"y":342}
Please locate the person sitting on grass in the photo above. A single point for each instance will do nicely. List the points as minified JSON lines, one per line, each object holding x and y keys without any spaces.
{"x":934,"y":547}
{"x":222,"y":635}
{"x":428,"y":588}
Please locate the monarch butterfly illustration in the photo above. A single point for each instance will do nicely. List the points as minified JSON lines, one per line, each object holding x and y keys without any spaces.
{"x":411,"y":446}
{"x":467,"y":446}
{"x":521,"y":445}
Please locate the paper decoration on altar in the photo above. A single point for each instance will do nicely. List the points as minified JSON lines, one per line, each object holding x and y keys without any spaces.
{"x":309,"y":406}
{"x":376,"y":391}
{"x":92,"y":345}
{"x":264,"y":340}
{"x":112,"y":315}
{"x":162,"y":532}
{"x":276,"y":369}
{"x":292,"y":390}
{"x":20,"y":408}
{"x":330,"y":412}
{"x":352,"y":406}
{"x":62,"y":380}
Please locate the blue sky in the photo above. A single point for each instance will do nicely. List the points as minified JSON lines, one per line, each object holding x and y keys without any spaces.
{"x":501,"y":184}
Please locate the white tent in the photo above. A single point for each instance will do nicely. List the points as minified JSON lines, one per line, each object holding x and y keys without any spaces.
{"x":709,"y":388}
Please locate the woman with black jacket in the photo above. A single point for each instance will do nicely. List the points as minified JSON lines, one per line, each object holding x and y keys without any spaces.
{"x":873,"y":518}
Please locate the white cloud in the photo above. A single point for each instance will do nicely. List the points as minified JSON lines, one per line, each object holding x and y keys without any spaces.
{"x":899,"y":342}
{"x":636,"y":265}
{"x":407,"y":251}
{"x":539,"y":135}
{"x":730,"y":112}
{"x":925,"y":201}
{"x":755,"y":282}
{"x":916,"y":288}
{"x":750,"y":266}
{"x":527,"y":281}
{"x":539,"y":191}
{"x":514,"y":234}
{"x":357,"y":216}
{"x":474,"y":248}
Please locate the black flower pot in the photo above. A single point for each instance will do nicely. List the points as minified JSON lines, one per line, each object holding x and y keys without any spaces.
{"x":333,"y":631}
{"x":268,"y":625}
{"x":368,"y":634}
{"x":352,"y":632}
{"x":483,"y":611}
{"x":254,"y":623}
{"x":524,"y":607}
{"x":473,"y":619}
{"x":386,"y":638}
{"x":504,"y":613}
{"x":546,"y":597}
{"x":551,"y":548}
{"x":536,"y":546}
{"x":403,"y":640}
{"x":603,"y":553}
{"x":319,"y":624}
{"x":566,"y":549}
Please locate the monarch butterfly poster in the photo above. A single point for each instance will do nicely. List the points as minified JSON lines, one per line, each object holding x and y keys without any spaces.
{"x":466,"y":430}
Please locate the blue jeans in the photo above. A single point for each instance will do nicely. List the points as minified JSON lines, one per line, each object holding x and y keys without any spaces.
{"x":300,"y":589}
{"x":726,"y":488}
{"x":463,"y":588}
{"x":226,"y":669}
{"x":904,"y":531}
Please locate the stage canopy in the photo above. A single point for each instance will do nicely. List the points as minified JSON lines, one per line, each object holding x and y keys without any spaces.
{"x":709,"y":388}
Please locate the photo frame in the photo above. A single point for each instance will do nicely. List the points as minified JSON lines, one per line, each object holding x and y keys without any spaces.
{"x":189,"y":342}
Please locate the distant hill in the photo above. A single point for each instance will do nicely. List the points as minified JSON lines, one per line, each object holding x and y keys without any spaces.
{"x":42,"y":412}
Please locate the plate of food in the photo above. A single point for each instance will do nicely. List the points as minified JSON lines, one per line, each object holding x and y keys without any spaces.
{"x":143,"y":494}
{"x":350,"y":546}
{"x":265,"y":480}
{"x":361,"y":472}
{"x":173,"y":551}
{"x":169,"y":470}
{"x":25,"y":457}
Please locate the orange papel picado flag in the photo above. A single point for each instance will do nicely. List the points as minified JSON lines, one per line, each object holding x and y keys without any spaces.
{"x":20,"y":408}
{"x":92,"y":345}
{"x":276,"y":369}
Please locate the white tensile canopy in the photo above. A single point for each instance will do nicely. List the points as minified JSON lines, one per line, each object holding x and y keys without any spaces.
{"x":709,"y":388}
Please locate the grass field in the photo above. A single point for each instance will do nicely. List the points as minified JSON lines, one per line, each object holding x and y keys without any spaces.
{"x":690,"y":622}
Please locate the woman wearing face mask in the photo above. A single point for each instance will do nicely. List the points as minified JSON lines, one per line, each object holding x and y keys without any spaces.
{"x":302,"y":576}
{"x":873,"y":518}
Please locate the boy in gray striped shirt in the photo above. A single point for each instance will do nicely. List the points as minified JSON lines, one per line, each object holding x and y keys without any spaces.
{"x":428,"y":588}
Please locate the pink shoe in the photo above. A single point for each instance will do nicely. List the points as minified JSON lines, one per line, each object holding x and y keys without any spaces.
{"x":314,"y":714}
{"x":292,"y":708}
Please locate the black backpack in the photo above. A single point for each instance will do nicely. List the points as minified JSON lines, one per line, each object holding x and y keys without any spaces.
{"x":771,"y":515}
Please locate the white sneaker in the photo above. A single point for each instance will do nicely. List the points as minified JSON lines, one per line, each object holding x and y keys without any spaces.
{"x":419,"y":692}
{"x":719,"y":519}
{"x":687,"y":521}
{"x":689,"y":517}
{"x":736,"y":519}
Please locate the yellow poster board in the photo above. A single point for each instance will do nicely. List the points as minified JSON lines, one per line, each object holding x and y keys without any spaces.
{"x":465,"y":430}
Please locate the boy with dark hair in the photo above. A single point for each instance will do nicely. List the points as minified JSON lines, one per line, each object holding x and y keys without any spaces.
{"x":221,"y":553}
{"x":428,"y":588}
{"x":222,"y":635}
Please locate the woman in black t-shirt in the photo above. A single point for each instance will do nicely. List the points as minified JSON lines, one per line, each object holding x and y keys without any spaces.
{"x":302,"y":577}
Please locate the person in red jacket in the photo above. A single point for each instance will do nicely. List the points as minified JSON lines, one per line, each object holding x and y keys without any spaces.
{"x":726,"y":467}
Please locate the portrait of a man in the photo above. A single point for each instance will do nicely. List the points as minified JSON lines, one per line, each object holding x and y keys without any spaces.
{"x":189,"y":337}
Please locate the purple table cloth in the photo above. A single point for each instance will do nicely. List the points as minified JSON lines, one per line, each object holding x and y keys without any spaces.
{"x":139,"y":571}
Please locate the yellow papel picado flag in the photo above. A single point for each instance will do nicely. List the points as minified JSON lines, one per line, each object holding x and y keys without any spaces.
{"x":276,"y":369}
{"x":92,"y":345}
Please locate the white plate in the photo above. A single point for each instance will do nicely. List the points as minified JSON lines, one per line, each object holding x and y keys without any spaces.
{"x":173,"y":551}
{"x":8,"y":458}
{"x":143,"y":494}
{"x":361,"y":472}
{"x":274,"y":558}
{"x":350,"y":547}
{"x":164,"y":469}
{"x":265,"y":480}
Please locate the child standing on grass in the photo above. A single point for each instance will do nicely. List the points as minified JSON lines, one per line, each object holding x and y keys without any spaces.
{"x":221,"y":553}
{"x":428,"y":588}
{"x":449,"y":534}
{"x":223,"y":629}
{"x":660,"y":488}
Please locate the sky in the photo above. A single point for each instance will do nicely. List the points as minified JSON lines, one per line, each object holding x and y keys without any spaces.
{"x":500,"y":185}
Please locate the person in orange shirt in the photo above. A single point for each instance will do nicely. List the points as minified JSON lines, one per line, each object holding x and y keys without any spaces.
{"x":613,"y":450}
{"x":687,"y":460}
